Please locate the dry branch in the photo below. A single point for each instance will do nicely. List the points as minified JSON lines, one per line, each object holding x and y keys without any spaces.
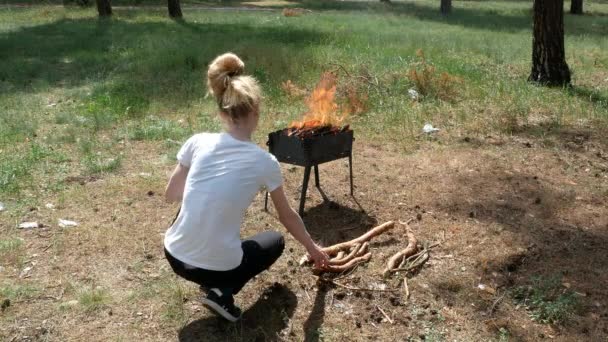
{"x":348,"y":265}
{"x":331,"y":250}
{"x":406,"y":288}
{"x":403,"y":254}
{"x":341,"y":261}
{"x":335,"y":249}
{"x":364,"y":249}
{"x":348,"y":287}
{"x":385,"y":315}
{"x":417,"y":263}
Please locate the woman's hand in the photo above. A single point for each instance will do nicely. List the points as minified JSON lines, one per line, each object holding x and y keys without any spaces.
{"x":319,"y":257}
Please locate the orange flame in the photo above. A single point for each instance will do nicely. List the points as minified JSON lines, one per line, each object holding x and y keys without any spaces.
{"x":322,"y":107}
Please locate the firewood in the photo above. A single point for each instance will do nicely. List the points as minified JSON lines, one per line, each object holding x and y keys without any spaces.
{"x":331,"y":250}
{"x":410,"y":250}
{"x":340,"y":255}
{"x":341,"y":261}
{"x":335,"y":249}
{"x":364,"y":249}
{"x":348,"y":265}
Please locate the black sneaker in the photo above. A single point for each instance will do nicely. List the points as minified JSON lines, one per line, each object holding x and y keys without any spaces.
{"x":223,"y":305}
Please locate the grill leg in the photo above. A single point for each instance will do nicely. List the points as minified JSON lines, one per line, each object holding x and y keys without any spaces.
{"x":350,"y":166}
{"x":304,"y":188}
{"x":317,"y":176}
{"x":266,"y":202}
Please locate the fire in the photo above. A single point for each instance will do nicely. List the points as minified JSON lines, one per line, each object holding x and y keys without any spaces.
{"x":322,"y":107}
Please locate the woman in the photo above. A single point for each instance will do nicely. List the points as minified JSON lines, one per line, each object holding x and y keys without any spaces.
{"x":216,"y":179}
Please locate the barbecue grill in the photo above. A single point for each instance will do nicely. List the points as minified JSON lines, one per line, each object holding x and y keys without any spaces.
{"x":316,"y":147}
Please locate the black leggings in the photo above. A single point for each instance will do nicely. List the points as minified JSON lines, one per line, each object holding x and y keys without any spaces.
{"x":259,"y":253}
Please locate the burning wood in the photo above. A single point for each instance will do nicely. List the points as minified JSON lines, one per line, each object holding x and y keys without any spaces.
{"x":322,"y":116}
{"x":357,"y":250}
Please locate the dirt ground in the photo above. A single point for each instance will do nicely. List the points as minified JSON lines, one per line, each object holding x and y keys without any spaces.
{"x":505,"y":209}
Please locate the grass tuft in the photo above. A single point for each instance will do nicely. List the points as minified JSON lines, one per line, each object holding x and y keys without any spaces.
{"x":154,"y":128}
{"x":93,"y":299}
{"x":18,"y":292}
{"x":547,"y":300}
{"x":16,"y":166}
{"x":431,"y":84}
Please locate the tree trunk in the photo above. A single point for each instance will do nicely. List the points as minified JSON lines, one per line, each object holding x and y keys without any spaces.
{"x":576,"y":7}
{"x":548,"y":57}
{"x":104,"y":8}
{"x":175,"y":10}
{"x":446,"y":7}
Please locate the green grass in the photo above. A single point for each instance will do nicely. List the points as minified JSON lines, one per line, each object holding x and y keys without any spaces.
{"x":11,"y":250}
{"x":68,"y":79}
{"x":17,"y":291}
{"x":16,"y":166}
{"x":547,"y":300}
{"x":93,"y":299}
{"x":10,"y":245}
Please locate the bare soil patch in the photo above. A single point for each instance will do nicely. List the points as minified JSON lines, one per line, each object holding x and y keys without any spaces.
{"x":505,"y":209}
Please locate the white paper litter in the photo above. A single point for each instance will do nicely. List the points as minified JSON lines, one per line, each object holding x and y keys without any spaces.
{"x":428,"y":128}
{"x":29,"y":225}
{"x":50,"y":206}
{"x":67,"y":223}
{"x":1,"y":206}
{"x":413,"y":94}
{"x":486,"y":288}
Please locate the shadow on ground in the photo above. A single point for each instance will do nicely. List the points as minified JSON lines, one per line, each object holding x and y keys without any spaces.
{"x":511,"y":20}
{"x":124,"y":57}
{"x":261,"y":322}
{"x":331,"y":222}
{"x":563,"y":233}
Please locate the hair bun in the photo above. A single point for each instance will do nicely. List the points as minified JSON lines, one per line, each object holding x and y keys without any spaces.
{"x":221,"y":70}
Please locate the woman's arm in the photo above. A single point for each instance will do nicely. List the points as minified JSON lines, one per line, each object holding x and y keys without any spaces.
{"x":293,"y":223}
{"x":175,"y":188}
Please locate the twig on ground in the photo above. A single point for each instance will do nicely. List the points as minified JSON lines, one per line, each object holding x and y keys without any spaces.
{"x":308,"y":296}
{"x":340,"y":66}
{"x":493,"y":308}
{"x":413,"y":266}
{"x":409,"y":250}
{"x":347,"y":272}
{"x":406,"y":288}
{"x":412,"y":260}
{"x":356,"y":288}
{"x":345,"y":229}
{"x":385,"y":315}
{"x":406,"y":222}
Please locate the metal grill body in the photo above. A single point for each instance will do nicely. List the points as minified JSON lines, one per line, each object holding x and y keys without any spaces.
{"x":309,"y":152}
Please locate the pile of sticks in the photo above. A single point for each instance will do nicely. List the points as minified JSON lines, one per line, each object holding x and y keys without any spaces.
{"x":346,"y":255}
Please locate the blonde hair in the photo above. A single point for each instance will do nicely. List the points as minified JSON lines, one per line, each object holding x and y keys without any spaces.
{"x":236,"y":95}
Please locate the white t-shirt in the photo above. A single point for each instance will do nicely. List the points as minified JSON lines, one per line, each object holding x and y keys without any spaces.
{"x":225,"y":175}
